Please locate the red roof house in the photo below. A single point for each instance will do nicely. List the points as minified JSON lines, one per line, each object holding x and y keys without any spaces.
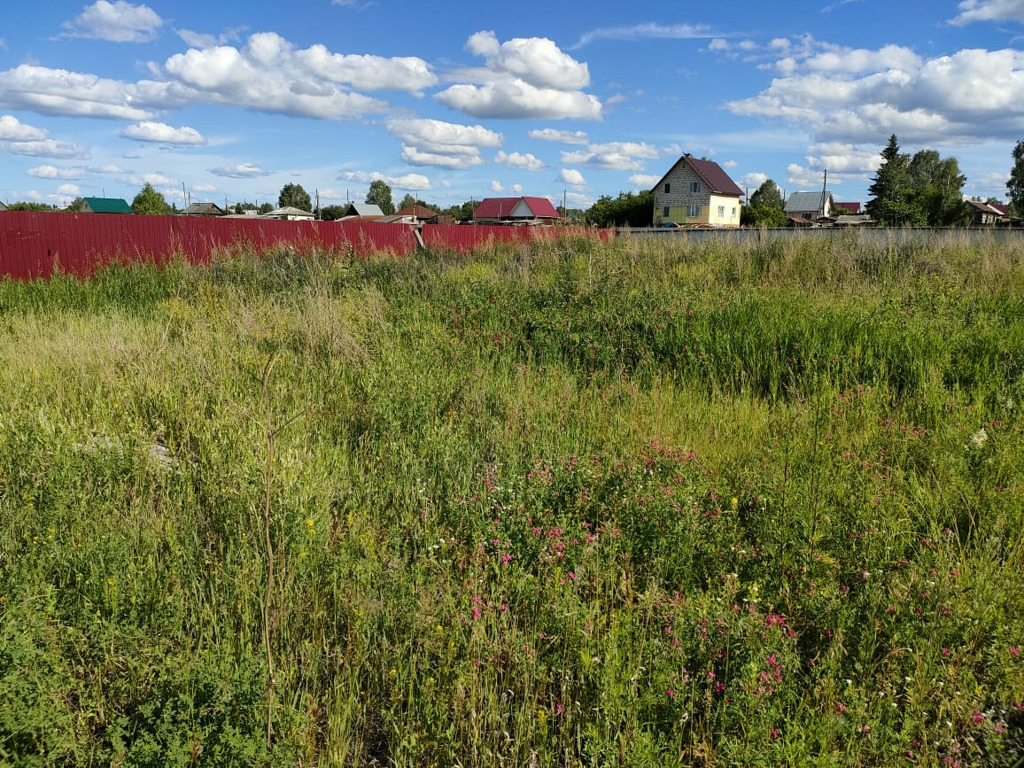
{"x":697,"y":192}
{"x":515,"y":210}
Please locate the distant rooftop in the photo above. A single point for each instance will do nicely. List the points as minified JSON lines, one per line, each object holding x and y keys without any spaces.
{"x":106,"y":205}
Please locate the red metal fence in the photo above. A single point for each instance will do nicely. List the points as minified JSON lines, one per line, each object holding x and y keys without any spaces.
{"x":38,"y":244}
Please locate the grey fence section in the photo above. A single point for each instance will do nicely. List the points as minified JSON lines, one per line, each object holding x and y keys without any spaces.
{"x":875,"y":236}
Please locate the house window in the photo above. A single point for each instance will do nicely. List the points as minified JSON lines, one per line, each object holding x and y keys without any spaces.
{"x":665,"y":214}
{"x":668,"y":187}
{"x":695,"y":187}
{"x":692,"y":211}
{"x":721,"y":211}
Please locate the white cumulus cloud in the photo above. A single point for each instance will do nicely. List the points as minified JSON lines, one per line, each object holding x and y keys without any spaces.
{"x":644,"y":180}
{"x":522,"y":78}
{"x":524,"y":161}
{"x":52,"y":172}
{"x":966,"y":96}
{"x":117,"y":22}
{"x":61,"y":92}
{"x":12,"y":129}
{"x":148,"y":130}
{"x":442,"y":144}
{"x":572,"y":177}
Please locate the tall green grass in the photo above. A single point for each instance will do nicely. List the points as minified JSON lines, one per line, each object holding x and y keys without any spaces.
{"x":567,"y":503}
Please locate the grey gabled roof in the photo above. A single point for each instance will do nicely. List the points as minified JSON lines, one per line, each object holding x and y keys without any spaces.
{"x":363,"y":209}
{"x":805,"y":201}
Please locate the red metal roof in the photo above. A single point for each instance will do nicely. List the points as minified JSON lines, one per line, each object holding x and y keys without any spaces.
{"x":851,"y":207}
{"x":495,"y":207}
{"x":502,"y":207}
{"x":541,"y":207}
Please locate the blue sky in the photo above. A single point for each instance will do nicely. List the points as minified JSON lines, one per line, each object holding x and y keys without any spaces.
{"x":456,"y":100}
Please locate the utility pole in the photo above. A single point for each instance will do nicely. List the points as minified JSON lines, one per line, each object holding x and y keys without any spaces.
{"x":824,"y":193}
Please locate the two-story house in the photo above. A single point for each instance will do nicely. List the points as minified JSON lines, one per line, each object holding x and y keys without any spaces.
{"x":697,"y":192}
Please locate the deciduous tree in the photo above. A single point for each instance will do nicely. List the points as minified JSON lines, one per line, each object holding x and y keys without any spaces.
{"x":149,"y":202}
{"x":629,"y":209}
{"x":380,"y":195}
{"x":765,"y":208}
{"x":294,"y":196}
{"x":935,"y":187}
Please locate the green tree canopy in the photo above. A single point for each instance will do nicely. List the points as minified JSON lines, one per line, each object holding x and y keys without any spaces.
{"x":765,"y":208}
{"x":463,"y":212}
{"x":76,"y":206}
{"x":936,"y":188}
{"x":1015,"y":186}
{"x":30,"y":207}
{"x":332,"y":212}
{"x":149,"y":202}
{"x":380,"y":195}
{"x":294,"y":196}
{"x":768,"y":195}
{"x":629,"y":209}
{"x":923,"y":190}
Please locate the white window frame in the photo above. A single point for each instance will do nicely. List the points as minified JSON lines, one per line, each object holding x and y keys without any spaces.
{"x":693,"y":210}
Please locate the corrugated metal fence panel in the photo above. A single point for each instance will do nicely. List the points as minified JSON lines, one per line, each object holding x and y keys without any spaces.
{"x":37,"y":244}
{"x":462,"y":238}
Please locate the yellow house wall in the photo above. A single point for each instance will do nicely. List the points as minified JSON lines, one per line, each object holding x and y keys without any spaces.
{"x":731,"y":212}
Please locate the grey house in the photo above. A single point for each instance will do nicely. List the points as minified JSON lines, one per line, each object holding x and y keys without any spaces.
{"x":810,"y":206}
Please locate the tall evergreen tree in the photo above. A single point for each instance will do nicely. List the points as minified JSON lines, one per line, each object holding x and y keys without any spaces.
{"x":1015,"y":186}
{"x":888,"y":204}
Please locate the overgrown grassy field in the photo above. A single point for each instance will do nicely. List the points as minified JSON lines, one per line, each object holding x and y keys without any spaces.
{"x":572,"y":504}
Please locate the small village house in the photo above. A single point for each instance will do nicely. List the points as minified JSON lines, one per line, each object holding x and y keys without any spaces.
{"x":985,"y":214}
{"x":203,"y":209}
{"x":105,"y":205}
{"x":810,"y":206}
{"x":288,"y":213}
{"x":697,"y":192}
{"x":515,"y":210}
{"x":369,"y":211}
